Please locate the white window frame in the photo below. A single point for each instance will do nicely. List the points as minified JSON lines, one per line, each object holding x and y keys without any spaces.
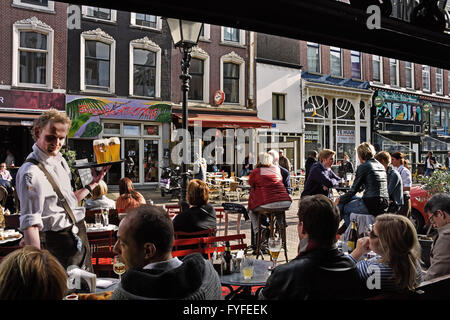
{"x":201,"y":54}
{"x":206,"y":32}
{"x":241,"y":37}
{"x":98,"y":35}
{"x":353,"y":54}
{"x":425,"y":67}
{"x":335,"y":49}
{"x":411,"y":70}
{"x":397,"y":78}
{"x":232,"y":57}
{"x":448,"y":87}
{"x":32,"y":24}
{"x":381,"y":68}
{"x":19,"y":4}
{"x":158,"y":22}
{"x":84,"y":13}
{"x":315,"y":45}
{"x":441,"y":89}
{"x":145,"y":44}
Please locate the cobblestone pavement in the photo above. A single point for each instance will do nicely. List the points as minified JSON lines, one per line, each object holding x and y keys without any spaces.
{"x":291,"y":220}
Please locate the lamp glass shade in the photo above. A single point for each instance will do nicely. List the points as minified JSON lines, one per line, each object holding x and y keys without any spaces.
{"x":184,"y":31}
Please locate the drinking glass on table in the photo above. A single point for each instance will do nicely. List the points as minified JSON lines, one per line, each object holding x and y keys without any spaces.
{"x":105,"y":217}
{"x":98,"y":220}
{"x":118,"y":266}
{"x":274,"y":249}
{"x":247,"y":268}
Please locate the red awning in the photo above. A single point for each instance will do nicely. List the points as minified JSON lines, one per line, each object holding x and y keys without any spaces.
{"x":226,"y":121}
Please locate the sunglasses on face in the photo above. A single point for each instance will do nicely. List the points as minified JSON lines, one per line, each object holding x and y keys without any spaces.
{"x":372,"y":234}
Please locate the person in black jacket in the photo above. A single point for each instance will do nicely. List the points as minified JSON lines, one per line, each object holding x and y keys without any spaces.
{"x":200,"y":215}
{"x":321,"y":270}
{"x":345,"y":167}
{"x":309,"y":162}
{"x":372,"y":179}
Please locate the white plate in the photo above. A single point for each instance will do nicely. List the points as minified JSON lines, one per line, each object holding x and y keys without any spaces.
{"x":11,"y":239}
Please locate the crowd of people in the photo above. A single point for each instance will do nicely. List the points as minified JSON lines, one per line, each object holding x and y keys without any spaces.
{"x":145,"y":236}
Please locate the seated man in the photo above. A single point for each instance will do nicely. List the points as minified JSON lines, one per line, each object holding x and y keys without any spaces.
{"x":145,"y":241}
{"x":321,"y":270}
{"x":321,"y":178}
{"x":438,"y":210}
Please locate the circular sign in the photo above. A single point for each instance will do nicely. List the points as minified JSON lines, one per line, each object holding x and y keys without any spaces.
{"x":378,"y":101}
{"x":427,"y":106}
{"x":219,"y":97}
{"x":310,"y":110}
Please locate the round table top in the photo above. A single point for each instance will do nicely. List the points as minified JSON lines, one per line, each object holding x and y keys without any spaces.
{"x":260,"y":275}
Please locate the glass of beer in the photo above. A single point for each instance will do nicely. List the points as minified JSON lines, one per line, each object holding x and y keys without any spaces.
{"x":100,"y":148}
{"x":114,"y":148}
{"x":274,"y":249}
{"x":247,"y":268}
{"x":118,"y":266}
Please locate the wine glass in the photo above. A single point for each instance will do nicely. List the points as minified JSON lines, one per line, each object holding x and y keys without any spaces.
{"x":118,"y":266}
{"x":274,"y":249}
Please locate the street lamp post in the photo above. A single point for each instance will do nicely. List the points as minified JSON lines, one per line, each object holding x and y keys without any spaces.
{"x":185,"y":35}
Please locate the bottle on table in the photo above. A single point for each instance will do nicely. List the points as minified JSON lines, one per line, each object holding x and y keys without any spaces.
{"x":352,"y":237}
{"x":227,"y":259}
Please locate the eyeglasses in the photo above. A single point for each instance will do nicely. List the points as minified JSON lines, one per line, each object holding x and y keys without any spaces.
{"x":372,"y":234}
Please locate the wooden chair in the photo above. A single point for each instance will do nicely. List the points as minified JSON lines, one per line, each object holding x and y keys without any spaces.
{"x":12,"y":221}
{"x":232,"y":191}
{"x":101,"y":244}
{"x":197,"y":234}
{"x":218,"y":243}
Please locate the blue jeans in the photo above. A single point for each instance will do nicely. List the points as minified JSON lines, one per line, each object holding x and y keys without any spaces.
{"x":355,"y":205}
{"x":428,"y":172}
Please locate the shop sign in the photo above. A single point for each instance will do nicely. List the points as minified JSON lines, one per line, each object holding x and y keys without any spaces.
{"x":378,"y":101}
{"x":219,"y":97}
{"x":32,"y":100}
{"x":310,"y":110}
{"x":397,"y":96}
{"x":427,"y":106}
{"x":86,"y":113}
{"x":345,"y":136}
{"x":311,"y":135}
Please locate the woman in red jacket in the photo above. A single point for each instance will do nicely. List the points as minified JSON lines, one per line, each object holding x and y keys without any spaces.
{"x":268,"y":190}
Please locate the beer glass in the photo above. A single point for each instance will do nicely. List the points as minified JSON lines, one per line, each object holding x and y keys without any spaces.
{"x":114,"y":148}
{"x":274,"y":249}
{"x":100,"y":150}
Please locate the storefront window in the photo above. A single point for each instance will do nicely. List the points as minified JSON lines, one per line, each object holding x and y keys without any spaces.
{"x":111,"y":128}
{"x":151,"y":130}
{"x":345,"y":142}
{"x":131,"y":130}
{"x":314,"y":135}
{"x":132,"y":159}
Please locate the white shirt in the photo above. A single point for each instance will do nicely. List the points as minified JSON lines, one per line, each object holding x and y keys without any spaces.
{"x":39,"y":204}
{"x":405,"y":174}
{"x":429,"y":164}
{"x":166,"y":265}
{"x":5,"y":175}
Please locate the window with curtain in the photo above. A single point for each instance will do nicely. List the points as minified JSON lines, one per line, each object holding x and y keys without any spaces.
{"x":231,"y":82}
{"x":97,"y":65}
{"x":356,"y":64}
{"x":313,"y":57}
{"x":231,"y":34}
{"x":278,"y":106}
{"x":196,"y":85}
{"x":146,"y":20}
{"x":144,"y":72}
{"x":335,"y":62}
{"x":376,"y":67}
{"x":99,"y":13}
{"x":33,"y":57}
{"x":439,"y":82}
{"x":393,"y":65}
{"x":409,"y":75}
{"x":426,"y":78}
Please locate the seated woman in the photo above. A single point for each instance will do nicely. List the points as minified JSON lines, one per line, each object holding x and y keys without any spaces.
{"x":396,"y":268}
{"x":5,"y":178}
{"x":372,"y":179}
{"x":99,"y":200}
{"x":200,"y":215}
{"x":267,"y":189}
{"x":129,"y":198}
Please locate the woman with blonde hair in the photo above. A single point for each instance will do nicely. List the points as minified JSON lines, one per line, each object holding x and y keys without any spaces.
{"x":200,"y":215}
{"x":99,"y":199}
{"x":396,"y":267}
{"x":129,"y":198}
{"x":32,"y":274}
{"x":371,"y":179}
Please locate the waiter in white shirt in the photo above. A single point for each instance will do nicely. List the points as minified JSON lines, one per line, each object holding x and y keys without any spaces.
{"x":40,"y":207}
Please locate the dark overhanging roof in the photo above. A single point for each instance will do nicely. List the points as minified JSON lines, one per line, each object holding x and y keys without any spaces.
{"x":328,"y":79}
{"x":324,"y":21}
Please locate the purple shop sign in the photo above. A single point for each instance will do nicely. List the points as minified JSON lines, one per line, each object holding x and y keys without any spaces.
{"x":32,"y":100}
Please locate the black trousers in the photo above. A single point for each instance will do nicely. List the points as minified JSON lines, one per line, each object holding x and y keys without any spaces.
{"x":63,"y":245}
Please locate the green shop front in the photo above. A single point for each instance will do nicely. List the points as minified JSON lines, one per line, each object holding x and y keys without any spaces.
{"x":142,"y":126}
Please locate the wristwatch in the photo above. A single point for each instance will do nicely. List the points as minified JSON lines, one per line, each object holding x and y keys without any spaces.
{"x":88,"y":187}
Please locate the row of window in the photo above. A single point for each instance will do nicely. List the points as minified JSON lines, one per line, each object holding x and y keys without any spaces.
{"x":313,"y":56}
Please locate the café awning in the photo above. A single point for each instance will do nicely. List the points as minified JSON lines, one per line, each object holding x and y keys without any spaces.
{"x":17,"y":119}
{"x":225,"y":121}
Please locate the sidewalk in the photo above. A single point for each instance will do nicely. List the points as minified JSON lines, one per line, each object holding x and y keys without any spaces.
{"x":291,"y":220}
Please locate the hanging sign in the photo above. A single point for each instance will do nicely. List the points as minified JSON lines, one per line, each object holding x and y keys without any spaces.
{"x":427,"y":106}
{"x":378,"y":101}
{"x":219,"y":97}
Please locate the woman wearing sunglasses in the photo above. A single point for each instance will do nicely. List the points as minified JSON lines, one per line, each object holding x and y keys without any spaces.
{"x":396,"y":267}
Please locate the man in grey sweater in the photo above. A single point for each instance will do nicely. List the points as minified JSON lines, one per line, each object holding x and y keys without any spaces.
{"x":145,"y":241}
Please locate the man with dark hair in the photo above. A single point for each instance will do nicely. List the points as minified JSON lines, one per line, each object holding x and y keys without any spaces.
{"x":145,"y":241}
{"x":321,"y":270}
{"x":312,"y":158}
{"x":438,"y":211}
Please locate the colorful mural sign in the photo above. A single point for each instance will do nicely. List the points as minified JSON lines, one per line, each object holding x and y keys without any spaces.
{"x":398,"y":106}
{"x":86,"y":113}
{"x":32,"y":100}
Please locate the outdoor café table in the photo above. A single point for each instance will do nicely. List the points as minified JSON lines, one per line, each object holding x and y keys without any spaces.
{"x":244,"y":287}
